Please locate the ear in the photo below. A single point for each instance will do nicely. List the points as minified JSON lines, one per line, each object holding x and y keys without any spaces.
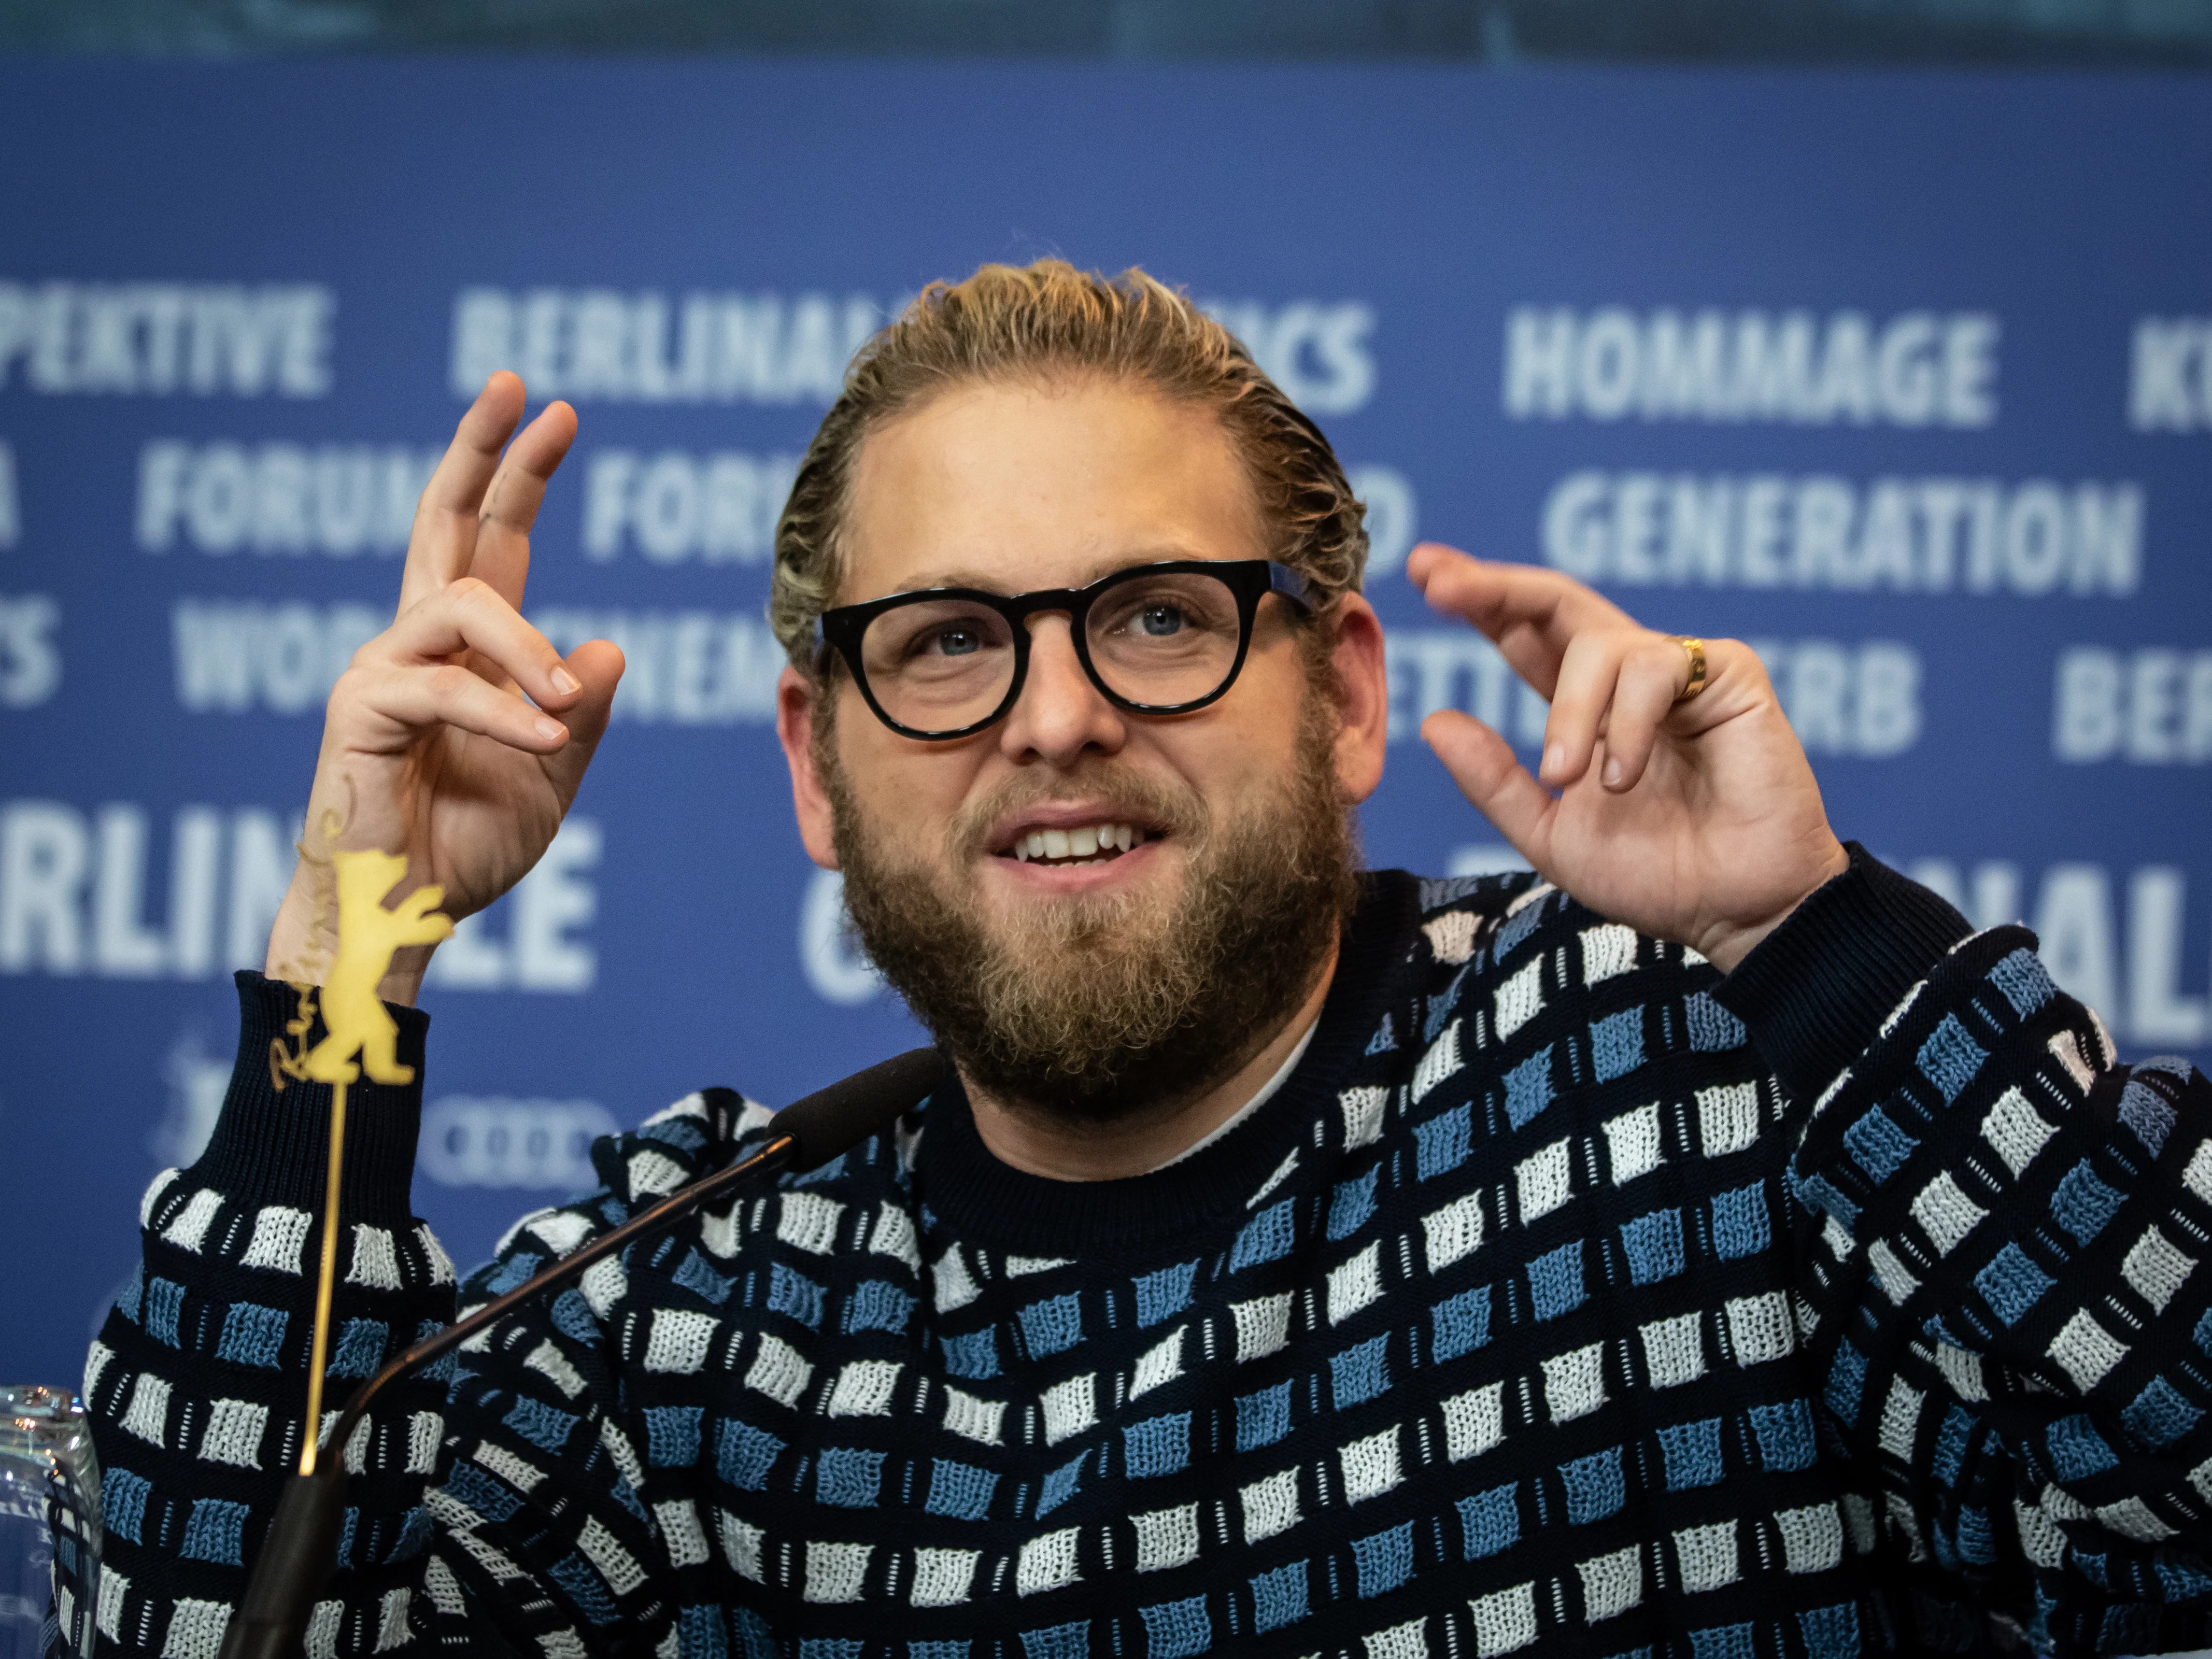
{"x":795,"y":729}
{"x":1364,"y":688}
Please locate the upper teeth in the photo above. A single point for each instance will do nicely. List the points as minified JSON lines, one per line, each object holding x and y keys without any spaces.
{"x":1086,"y":842}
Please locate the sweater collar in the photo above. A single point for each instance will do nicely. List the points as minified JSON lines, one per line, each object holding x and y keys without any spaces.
{"x":1002,"y":1208}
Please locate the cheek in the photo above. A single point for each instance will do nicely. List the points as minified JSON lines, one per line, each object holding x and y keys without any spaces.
{"x":906,"y":791}
{"x":1256,"y":740}
{"x":1235,"y":765}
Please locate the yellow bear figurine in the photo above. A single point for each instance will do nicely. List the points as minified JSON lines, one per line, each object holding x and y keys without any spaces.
{"x":368,"y":935}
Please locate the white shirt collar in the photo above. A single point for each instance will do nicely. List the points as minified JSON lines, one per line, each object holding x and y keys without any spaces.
{"x":1266,"y":1092}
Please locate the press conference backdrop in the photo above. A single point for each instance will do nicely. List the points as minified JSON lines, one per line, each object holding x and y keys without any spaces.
{"x":1905,"y":379}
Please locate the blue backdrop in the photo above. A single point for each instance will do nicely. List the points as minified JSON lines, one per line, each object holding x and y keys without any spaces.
{"x":1906,"y":378}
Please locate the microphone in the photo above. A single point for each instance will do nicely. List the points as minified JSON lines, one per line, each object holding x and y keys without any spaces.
{"x":300,"y":1552}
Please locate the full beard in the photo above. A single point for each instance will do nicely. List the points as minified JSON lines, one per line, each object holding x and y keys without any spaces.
{"x":1092,"y":1008}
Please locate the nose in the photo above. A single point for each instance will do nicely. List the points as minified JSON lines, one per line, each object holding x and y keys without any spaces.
{"x":1059,"y":713}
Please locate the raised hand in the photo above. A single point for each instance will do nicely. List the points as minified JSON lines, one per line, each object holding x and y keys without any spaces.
{"x":1697,"y":821}
{"x":432,"y":748}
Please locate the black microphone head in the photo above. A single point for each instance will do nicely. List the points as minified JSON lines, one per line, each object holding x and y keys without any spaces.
{"x":295,"y":1562}
{"x":840,"y":1117}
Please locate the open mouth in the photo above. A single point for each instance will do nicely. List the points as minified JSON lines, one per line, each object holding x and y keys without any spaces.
{"x":1093,"y":843}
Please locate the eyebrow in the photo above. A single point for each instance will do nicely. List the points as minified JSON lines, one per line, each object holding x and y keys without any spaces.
{"x":1096,"y":571}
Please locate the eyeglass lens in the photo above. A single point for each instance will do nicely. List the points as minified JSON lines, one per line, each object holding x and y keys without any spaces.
{"x":1160,"y":639}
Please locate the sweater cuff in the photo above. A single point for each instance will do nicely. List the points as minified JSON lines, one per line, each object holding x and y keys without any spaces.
{"x":272,"y":1146}
{"x":1815,"y":991}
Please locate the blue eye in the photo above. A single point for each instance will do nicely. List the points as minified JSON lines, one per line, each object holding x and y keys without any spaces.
{"x":1160,"y":620}
{"x":959,"y":641}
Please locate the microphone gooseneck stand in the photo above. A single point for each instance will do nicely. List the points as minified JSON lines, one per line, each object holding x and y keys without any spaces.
{"x":300,"y":1552}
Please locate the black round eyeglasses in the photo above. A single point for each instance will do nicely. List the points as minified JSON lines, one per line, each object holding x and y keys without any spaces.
{"x":1156,"y":639}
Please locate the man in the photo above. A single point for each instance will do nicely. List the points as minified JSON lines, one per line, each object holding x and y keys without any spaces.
{"x":1706,"y":1247}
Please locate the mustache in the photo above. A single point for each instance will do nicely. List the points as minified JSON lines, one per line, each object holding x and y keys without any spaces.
{"x":1120,"y":791}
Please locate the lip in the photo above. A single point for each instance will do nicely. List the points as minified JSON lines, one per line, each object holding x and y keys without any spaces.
{"x":1035,"y":879}
{"x":1078,"y":814}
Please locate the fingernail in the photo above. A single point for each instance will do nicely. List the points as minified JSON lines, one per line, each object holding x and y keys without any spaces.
{"x":1555,"y":760}
{"x":1612,"y":774}
{"x":550,"y":729}
{"x":564,"y":682}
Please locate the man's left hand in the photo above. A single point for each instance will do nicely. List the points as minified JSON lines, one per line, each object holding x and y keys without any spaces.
{"x":1699,"y":821}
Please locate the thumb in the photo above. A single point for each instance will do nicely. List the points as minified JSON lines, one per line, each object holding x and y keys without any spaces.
{"x":1483,"y":766}
{"x":598,"y":664}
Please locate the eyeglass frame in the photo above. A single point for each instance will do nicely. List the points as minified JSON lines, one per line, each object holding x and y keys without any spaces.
{"x":1248,"y":581}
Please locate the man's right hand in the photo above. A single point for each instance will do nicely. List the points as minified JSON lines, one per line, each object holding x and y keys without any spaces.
{"x":431,"y":746}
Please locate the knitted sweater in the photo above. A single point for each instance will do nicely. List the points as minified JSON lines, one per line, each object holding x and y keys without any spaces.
{"x":1565,"y":1298}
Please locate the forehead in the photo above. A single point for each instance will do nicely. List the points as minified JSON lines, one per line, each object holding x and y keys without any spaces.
{"x":1028,"y":485}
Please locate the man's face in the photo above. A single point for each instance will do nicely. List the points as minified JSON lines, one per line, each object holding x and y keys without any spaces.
{"x":1235,"y":812}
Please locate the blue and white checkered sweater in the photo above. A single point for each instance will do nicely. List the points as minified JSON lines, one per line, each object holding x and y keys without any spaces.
{"x":1550,"y":1306}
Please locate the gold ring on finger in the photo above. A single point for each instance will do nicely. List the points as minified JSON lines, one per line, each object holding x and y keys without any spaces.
{"x":1694,"y":649}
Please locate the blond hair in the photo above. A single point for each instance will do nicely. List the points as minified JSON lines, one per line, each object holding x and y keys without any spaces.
{"x":1010,"y":322}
